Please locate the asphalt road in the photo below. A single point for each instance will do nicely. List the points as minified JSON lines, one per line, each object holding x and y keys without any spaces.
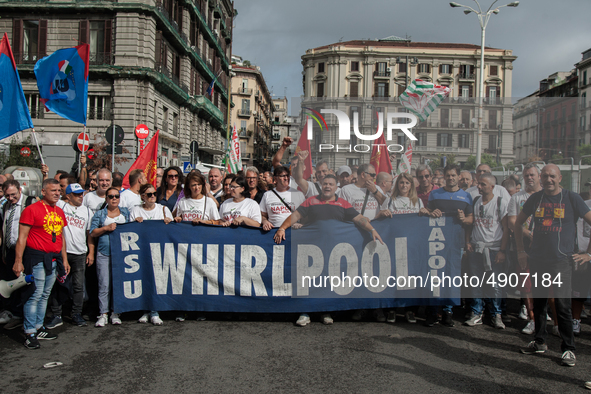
{"x":219,"y":356}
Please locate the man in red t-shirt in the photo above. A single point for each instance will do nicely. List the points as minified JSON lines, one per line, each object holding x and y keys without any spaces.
{"x":41,"y":251}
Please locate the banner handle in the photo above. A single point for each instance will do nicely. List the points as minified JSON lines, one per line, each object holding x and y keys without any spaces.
{"x":38,"y":149}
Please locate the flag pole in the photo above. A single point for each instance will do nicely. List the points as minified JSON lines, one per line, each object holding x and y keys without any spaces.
{"x":83,"y":146}
{"x":38,"y":149}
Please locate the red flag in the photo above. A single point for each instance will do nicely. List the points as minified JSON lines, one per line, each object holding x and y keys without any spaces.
{"x":146,"y":162}
{"x":380,"y":158}
{"x":304,"y":145}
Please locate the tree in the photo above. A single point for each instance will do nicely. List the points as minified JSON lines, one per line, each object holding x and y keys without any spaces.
{"x":585,"y":150}
{"x":103,"y":158}
{"x":14,"y":157}
{"x":438,"y":162}
{"x":485,"y":159}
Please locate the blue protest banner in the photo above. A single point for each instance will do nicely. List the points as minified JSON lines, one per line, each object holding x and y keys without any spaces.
{"x":209,"y":268}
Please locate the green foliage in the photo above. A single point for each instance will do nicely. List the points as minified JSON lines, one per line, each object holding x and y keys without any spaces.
{"x":438,"y":162}
{"x":585,"y":150}
{"x":485,"y":159}
{"x":14,"y":157}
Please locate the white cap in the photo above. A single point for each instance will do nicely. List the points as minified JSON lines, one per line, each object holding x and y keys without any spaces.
{"x":343,"y":169}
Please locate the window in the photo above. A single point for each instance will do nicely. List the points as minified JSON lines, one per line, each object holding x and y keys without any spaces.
{"x":175,"y":124}
{"x":401,"y":67}
{"x":243,"y":126}
{"x":352,"y":162}
{"x":164,"y":119}
{"x":493,"y":71}
{"x":444,"y":117}
{"x":245,"y":104}
{"x":320,"y":89}
{"x":354,"y":66}
{"x":321,"y":67}
{"x":35,"y":107}
{"x":445,"y":69}
{"x":29,"y":40}
{"x":381,"y":89}
{"x":466,"y":91}
{"x":424,"y":68}
{"x":466,"y":118}
{"x":354,"y":89}
{"x":463,"y":140}
{"x":491,"y":94}
{"x":99,"y":107}
{"x":492,"y":119}
{"x":443,"y":139}
{"x":584,"y":77}
{"x":421,"y":139}
{"x":492,"y":143}
{"x":98,"y":34}
{"x":381,"y":70}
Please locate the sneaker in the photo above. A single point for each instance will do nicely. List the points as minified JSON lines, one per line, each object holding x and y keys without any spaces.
{"x":379,"y":315}
{"x":31,"y":342}
{"x":326,"y":319}
{"x":430,"y":321}
{"x":391,"y":318}
{"x":533,"y":347}
{"x":303,"y":320}
{"x":15,"y":322}
{"x":115,"y":319}
{"x":144,"y":318}
{"x":568,"y":358}
{"x":447,"y":320}
{"x":474,"y":320}
{"x":180,"y":318}
{"x":358,"y":315}
{"x":102,"y":320}
{"x":588,"y":385}
{"x":42,"y":333}
{"x":5,"y":317}
{"x":576,"y":327}
{"x":505,"y":318}
{"x":548,"y":318}
{"x":529,"y":328}
{"x":410,"y":317}
{"x":523,"y":313}
{"x":156,"y":320}
{"x":497,"y":322}
{"x":56,"y":321}
{"x":555,"y":331}
{"x":78,"y":320}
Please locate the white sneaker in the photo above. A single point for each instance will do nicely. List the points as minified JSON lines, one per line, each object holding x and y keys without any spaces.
{"x":115,"y":320}
{"x":156,"y":320}
{"x":303,"y":320}
{"x":144,"y":318}
{"x":5,"y":317}
{"x":327,"y":319}
{"x":529,"y":328}
{"x":102,"y":320}
{"x":548,"y":318}
{"x":555,"y":331}
{"x":523,"y":313}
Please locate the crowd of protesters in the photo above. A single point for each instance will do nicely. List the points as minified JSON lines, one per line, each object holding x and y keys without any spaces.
{"x":63,"y":235}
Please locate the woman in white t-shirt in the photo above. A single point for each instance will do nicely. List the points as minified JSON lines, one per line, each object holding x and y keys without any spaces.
{"x":240,"y":209}
{"x":195,"y":207}
{"x":150,"y":210}
{"x":404,"y":199}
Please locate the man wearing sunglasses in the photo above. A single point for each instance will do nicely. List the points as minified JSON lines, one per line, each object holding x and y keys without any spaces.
{"x":76,"y":234}
{"x":364,"y":195}
{"x":424,"y":176}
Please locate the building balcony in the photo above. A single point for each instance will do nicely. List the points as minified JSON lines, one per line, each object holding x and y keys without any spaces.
{"x":381,"y":74}
{"x":245,"y":113}
{"x":467,"y":77}
{"x":244,"y":91}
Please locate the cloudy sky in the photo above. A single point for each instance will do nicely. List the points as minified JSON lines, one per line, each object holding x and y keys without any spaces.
{"x":545,"y":35}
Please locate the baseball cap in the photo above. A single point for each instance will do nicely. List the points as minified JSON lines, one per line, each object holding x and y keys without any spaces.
{"x":74,"y":188}
{"x":343,"y":169}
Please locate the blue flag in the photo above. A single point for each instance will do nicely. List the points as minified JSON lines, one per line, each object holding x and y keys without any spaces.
{"x":62,"y":79}
{"x":211,"y":86}
{"x":14,"y":113}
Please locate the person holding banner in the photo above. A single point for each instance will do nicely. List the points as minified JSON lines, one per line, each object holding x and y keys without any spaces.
{"x":150,"y":210}
{"x":170,"y":189}
{"x":240,"y":209}
{"x":277,"y":204}
{"x":103,"y":223}
{"x":195,"y":207}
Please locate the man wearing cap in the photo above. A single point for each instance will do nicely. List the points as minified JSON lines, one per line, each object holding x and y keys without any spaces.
{"x":78,"y":217}
{"x":344,"y":176}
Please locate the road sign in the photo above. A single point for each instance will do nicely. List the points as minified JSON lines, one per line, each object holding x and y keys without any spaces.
{"x":119,"y":134}
{"x":83,"y":142}
{"x":91,"y":154}
{"x":194,"y":147}
{"x":187,"y":167}
{"x":25,"y":151}
{"x":142,"y":131}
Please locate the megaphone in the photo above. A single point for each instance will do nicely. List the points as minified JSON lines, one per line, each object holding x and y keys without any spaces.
{"x":7,"y":287}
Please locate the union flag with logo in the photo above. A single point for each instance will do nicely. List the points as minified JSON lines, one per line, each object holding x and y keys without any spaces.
{"x":146,"y":162}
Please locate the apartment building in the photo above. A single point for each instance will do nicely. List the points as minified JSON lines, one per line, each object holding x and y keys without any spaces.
{"x":151,"y":62}
{"x":525,"y":123}
{"x":584,"y":72}
{"x":368,"y":76}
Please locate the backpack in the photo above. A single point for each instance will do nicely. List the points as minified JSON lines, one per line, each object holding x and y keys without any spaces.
{"x":499,"y":200}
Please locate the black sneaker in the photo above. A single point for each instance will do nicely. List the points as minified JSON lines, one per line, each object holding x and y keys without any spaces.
{"x":447,"y":320}
{"x":31,"y":342}
{"x":78,"y":320}
{"x":430,"y":320}
{"x":45,"y":335}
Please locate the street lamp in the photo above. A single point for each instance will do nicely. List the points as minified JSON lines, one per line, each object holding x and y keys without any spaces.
{"x":483,"y":17}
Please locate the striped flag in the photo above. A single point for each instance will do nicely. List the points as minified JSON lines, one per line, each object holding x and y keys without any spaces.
{"x":232,"y":159}
{"x":405,"y":161}
{"x":421,"y":98}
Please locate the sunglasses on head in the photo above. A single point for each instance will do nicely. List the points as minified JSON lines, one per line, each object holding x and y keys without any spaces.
{"x":112,"y":196}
